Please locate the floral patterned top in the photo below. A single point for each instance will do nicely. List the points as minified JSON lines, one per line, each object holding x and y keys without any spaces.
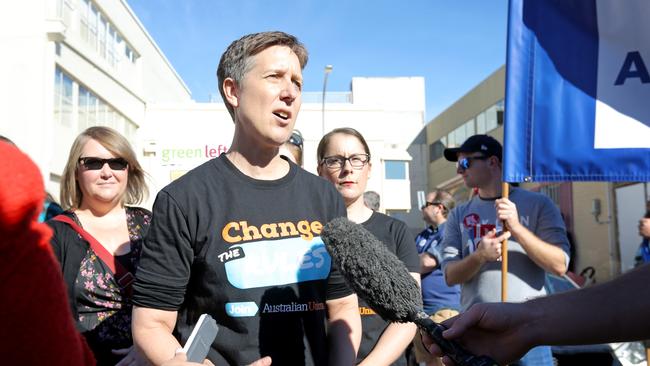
{"x":104,"y":308}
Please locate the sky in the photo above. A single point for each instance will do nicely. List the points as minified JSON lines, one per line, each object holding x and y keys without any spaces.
{"x":453,"y":44}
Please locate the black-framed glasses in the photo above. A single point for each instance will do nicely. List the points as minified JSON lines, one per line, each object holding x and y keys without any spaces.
{"x":92,"y":163}
{"x":466,"y":162}
{"x":296,"y":139}
{"x":357,"y":161}
{"x":434,"y":203}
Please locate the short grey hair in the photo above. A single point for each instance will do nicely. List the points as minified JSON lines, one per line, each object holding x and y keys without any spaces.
{"x":371,"y":200}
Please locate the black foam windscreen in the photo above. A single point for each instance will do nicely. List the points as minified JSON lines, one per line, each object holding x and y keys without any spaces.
{"x":373,"y":272}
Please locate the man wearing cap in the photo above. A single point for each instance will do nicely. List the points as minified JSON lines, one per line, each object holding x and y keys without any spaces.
{"x":537,"y":240}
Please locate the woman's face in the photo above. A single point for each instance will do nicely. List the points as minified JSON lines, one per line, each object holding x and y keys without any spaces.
{"x":342,"y":152}
{"x":101,"y":182}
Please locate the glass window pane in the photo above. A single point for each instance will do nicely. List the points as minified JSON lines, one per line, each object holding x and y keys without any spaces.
{"x":451,"y":139}
{"x":82,"y":123}
{"x":480,"y":123}
{"x":395,"y":169}
{"x":469,"y":128}
{"x":491,"y":118}
{"x":110,"y":46}
{"x":92,"y":26}
{"x":101,"y":35}
{"x":92,"y":110}
{"x":460,"y":135}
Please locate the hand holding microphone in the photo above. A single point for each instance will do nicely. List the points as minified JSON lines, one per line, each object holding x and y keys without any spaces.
{"x":381,"y":279}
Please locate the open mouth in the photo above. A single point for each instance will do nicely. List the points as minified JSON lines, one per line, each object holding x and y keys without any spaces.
{"x":282,"y":115}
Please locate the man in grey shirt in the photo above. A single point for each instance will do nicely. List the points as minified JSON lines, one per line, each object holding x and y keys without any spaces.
{"x":537,"y":240}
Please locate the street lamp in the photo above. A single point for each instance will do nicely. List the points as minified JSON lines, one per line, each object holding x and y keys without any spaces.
{"x":328,"y":69}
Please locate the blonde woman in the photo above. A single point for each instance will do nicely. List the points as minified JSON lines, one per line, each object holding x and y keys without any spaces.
{"x":98,"y":239}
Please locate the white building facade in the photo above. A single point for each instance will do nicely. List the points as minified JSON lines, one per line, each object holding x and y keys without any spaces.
{"x":71,"y":64}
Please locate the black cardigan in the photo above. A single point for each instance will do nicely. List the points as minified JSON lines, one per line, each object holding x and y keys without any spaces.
{"x":70,"y":249}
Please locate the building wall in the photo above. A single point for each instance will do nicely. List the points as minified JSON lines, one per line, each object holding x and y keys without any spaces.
{"x":593,"y":239}
{"x":44,"y":40}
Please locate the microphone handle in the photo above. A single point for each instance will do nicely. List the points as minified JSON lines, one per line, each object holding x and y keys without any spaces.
{"x":452,"y":349}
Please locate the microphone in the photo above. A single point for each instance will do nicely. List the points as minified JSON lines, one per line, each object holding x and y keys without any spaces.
{"x":382,"y":280}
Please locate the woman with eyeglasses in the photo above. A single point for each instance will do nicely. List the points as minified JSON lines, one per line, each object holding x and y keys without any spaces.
{"x":98,"y":239}
{"x":344,"y":159}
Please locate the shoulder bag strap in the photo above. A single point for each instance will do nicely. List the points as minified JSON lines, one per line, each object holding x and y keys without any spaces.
{"x":123,"y":276}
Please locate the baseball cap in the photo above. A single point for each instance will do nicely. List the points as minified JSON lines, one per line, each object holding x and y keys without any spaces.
{"x":485,"y":144}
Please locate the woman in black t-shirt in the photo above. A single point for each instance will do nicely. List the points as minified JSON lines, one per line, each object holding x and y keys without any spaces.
{"x":98,"y":239}
{"x":344,"y":159}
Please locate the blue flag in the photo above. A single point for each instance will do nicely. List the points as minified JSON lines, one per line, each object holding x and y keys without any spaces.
{"x":577,"y":91}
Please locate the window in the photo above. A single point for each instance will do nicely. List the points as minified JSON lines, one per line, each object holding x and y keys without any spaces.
{"x":395,"y":169}
{"x":63,"y":98}
{"x":481,"y":127}
{"x":460,"y":134}
{"x":102,"y":36}
{"x":436,"y":150}
{"x":500,"y":108}
{"x":89,"y":109}
{"x":491,"y":118}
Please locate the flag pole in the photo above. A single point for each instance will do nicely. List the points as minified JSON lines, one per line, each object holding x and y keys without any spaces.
{"x":505,"y":188}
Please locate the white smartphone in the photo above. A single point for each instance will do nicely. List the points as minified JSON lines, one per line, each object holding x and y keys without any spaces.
{"x":198,"y":344}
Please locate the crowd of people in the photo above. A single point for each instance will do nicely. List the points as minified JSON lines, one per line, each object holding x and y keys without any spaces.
{"x":137,"y":281}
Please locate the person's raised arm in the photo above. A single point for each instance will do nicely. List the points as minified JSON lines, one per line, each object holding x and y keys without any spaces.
{"x":344,"y":331}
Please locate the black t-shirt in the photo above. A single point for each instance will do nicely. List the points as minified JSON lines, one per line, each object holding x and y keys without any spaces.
{"x":247,"y":252}
{"x":399,"y":240}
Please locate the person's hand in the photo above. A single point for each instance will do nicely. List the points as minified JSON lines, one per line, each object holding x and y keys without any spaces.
{"x":644,"y":227}
{"x":497,"y":330}
{"x":489,"y":248}
{"x":265,"y":361}
{"x":507,"y":211}
{"x":180,"y":359}
{"x":132,"y":358}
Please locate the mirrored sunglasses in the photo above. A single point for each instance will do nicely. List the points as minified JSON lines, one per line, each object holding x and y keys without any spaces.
{"x":466,"y":162}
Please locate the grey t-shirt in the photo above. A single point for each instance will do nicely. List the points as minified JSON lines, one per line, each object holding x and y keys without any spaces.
{"x":470,"y":221}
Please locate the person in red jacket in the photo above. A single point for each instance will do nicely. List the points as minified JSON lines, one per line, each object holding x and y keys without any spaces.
{"x":37,"y":327}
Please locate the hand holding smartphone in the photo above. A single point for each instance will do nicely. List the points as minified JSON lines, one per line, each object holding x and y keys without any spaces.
{"x":198,"y":344}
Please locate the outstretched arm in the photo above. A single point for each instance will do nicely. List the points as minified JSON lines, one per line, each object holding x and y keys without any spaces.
{"x":506,"y":331}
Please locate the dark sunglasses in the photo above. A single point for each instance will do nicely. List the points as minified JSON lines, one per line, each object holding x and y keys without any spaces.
{"x":466,"y":162}
{"x":296,"y":140}
{"x":91,"y":163}
{"x":434,"y":203}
